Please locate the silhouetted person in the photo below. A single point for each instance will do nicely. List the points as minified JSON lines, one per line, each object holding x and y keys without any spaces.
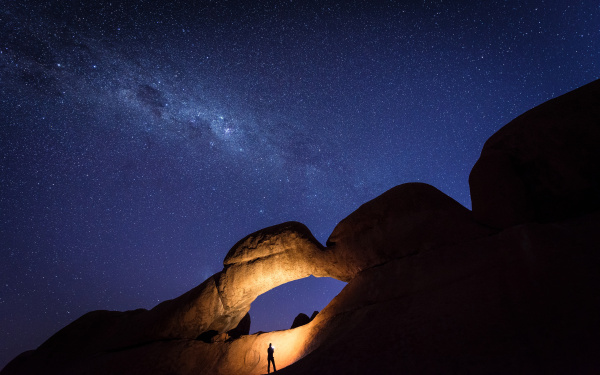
{"x":270,"y":359}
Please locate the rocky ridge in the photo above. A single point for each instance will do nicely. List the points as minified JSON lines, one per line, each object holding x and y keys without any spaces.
{"x":510,"y":287}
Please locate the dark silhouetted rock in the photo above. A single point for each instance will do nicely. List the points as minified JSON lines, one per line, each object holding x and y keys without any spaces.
{"x":314,"y":314}
{"x":544,"y":165}
{"x":525,"y":300}
{"x":300,"y":320}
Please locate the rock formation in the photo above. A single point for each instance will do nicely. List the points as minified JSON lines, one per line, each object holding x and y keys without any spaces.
{"x":300,"y":320}
{"x":544,"y":165}
{"x":432,"y":288}
{"x":264,"y":260}
{"x":525,"y":300}
{"x":405,"y":220}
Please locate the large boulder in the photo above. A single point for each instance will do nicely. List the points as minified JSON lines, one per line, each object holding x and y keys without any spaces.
{"x":544,"y":165}
{"x":404,"y":220}
{"x":256,"y":264}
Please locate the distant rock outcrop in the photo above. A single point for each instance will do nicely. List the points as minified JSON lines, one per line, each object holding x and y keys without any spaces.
{"x":300,"y":320}
{"x":432,"y":288}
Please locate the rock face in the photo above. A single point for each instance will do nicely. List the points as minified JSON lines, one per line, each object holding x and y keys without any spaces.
{"x":264,"y":260}
{"x":430,"y":290}
{"x":544,"y":165}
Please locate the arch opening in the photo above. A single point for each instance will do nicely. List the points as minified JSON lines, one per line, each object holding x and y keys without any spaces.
{"x":276,"y":309}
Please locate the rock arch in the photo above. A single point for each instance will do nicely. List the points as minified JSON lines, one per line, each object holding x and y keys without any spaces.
{"x":406,"y":219}
{"x":256,"y":264}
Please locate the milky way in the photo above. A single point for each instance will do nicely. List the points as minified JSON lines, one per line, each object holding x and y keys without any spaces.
{"x":140,"y":142}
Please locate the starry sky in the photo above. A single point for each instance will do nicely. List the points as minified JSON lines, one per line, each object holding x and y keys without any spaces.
{"x":139,"y":142}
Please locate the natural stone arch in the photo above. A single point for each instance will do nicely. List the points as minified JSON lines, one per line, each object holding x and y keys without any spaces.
{"x":405,"y":220}
{"x":259,"y":262}
{"x":267,"y":259}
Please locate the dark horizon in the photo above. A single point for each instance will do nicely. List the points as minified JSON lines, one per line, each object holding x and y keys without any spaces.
{"x":140,"y":142}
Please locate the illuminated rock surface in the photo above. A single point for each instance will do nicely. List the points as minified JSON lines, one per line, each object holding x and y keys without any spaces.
{"x":429,"y":289}
{"x":266,"y":259}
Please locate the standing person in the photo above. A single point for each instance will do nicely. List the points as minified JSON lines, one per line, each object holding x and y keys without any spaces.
{"x":270,"y":359}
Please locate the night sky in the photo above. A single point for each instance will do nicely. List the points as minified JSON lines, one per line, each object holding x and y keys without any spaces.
{"x":138,"y":143}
